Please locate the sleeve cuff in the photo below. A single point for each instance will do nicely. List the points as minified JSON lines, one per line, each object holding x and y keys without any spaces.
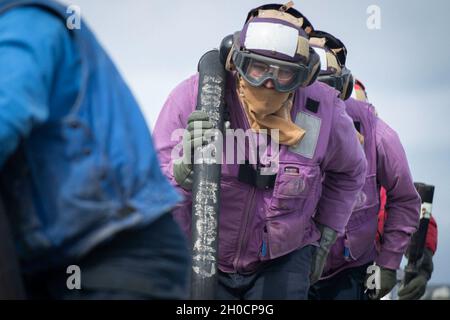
{"x":335,"y":222}
{"x":389,"y":260}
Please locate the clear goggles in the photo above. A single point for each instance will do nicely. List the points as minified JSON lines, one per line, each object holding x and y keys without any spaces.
{"x":339,"y":82}
{"x":257,"y":69}
{"x":336,"y":82}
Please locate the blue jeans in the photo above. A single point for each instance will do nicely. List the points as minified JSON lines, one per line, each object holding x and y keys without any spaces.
{"x":284,"y":278}
{"x":148,"y":263}
{"x":346,"y":285}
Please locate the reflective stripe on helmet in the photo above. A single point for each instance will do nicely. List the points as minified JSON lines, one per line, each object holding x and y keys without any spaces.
{"x":271,"y":37}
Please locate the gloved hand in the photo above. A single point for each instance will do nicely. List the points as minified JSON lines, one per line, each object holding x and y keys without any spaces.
{"x":388,"y":279}
{"x":415,"y":289}
{"x":183,"y":168}
{"x":319,"y":259}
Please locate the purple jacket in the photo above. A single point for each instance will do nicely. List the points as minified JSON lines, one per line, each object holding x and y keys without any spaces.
{"x":258,"y":225}
{"x":387,"y":166}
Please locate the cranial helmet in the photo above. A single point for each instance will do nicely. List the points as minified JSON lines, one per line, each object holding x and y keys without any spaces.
{"x":333,"y":55}
{"x":273,"y":44}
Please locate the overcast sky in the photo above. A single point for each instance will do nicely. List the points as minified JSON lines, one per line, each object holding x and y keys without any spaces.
{"x":404,"y":65}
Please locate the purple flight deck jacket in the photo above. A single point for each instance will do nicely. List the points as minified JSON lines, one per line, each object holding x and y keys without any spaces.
{"x":387,"y":166}
{"x":257,"y":225}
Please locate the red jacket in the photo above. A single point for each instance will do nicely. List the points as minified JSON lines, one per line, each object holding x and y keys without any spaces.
{"x":431,"y":241}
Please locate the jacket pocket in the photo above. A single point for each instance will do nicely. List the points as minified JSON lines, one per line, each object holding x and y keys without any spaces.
{"x":368,"y":196}
{"x":362,"y":227}
{"x":89,"y":176}
{"x":285,"y":234}
{"x":78,"y":137}
{"x":295,"y":184}
{"x":360,"y":235}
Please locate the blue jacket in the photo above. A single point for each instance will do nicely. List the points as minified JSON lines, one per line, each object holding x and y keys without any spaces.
{"x":77,"y":156}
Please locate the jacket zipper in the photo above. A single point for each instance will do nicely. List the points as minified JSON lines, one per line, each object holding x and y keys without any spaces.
{"x":242,"y":236}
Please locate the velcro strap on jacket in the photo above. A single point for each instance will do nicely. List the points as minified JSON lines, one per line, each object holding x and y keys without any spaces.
{"x":248,"y":174}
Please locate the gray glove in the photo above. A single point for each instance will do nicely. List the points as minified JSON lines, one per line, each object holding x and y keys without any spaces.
{"x":416,"y":288}
{"x":319,"y":259}
{"x":388,"y":279}
{"x":182,"y":168}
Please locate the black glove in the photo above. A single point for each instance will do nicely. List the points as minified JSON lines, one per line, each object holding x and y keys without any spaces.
{"x":319,"y":259}
{"x":388,"y":279}
{"x":416,"y":288}
{"x":198,"y":124}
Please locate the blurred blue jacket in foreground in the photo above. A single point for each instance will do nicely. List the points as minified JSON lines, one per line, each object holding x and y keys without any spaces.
{"x":81,"y":161}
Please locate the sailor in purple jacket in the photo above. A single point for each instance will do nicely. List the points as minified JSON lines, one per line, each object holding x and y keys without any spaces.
{"x":268,"y":234}
{"x":346,"y":269}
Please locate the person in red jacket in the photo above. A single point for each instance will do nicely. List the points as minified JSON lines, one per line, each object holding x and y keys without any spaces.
{"x":416,"y":288}
{"x":431,"y":240}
